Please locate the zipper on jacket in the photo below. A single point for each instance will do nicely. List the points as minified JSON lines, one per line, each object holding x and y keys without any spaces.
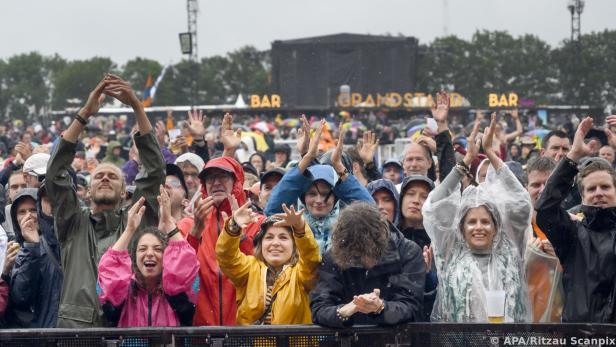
{"x":219,"y":277}
{"x":149,"y":309}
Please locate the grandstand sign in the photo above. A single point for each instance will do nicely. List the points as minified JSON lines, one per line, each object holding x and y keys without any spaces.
{"x":395,"y":100}
{"x":503,"y":100}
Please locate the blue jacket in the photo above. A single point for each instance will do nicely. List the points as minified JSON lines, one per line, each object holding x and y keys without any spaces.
{"x":36,"y":279}
{"x":294,"y":184}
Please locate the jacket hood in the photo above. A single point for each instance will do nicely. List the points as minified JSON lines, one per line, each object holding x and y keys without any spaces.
{"x":233,"y":167}
{"x":389,"y":187}
{"x":324,"y":173}
{"x":23,"y":194}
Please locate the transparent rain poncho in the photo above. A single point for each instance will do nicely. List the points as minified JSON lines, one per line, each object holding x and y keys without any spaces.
{"x":465,"y":275}
{"x":545,"y":289}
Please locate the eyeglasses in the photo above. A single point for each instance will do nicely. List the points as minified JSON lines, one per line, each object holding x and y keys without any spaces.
{"x":173,"y":184}
{"x":222,"y":178}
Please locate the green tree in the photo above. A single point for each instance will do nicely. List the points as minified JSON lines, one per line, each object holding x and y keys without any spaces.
{"x":588,"y":69}
{"x":136,"y":72}
{"x":175,"y":89}
{"x":489,"y":62}
{"x":248,"y":72}
{"x":77,"y":78}
{"x":213,"y":87}
{"x":24,"y":80}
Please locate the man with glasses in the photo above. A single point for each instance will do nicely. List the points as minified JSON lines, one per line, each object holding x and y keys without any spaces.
{"x":178,"y":192}
{"x":222,"y":189}
{"x":35,"y":168}
{"x":191,"y":164}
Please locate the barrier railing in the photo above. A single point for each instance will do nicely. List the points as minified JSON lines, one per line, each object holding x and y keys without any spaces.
{"x":418,"y":334}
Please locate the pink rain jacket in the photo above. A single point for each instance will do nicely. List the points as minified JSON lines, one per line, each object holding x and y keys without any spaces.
{"x":115,"y":278}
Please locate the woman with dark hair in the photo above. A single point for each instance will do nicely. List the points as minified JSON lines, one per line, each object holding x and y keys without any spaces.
{"x":479,"y":239}
{"x":272,"y":286}
{"x":259,"y":161}
{"x":370,"y":275}
{"x":149,"y":282}
{"x":322,"y":189}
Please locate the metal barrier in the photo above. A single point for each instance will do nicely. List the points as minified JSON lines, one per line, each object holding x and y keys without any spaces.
{"x":418,"y":334}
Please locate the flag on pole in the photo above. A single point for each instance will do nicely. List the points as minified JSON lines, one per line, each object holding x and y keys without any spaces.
{"x":147,"y":96}
{"x":150,"y":88}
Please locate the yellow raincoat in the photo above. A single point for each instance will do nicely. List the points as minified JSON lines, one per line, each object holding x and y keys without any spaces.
{"x":292,"y":287}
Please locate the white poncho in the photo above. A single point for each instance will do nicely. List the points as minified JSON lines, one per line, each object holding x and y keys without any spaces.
{"x":465,"y":275}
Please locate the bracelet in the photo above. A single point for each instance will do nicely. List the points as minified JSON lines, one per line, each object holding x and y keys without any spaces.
{"x":344,"y":173}
{"x":340,"y":315}
{"x":461,"y":162}
{"x":80,"y":119}
{"x":232,"y":228}
{"x":462,"y":170}
{"x":172,"y":233}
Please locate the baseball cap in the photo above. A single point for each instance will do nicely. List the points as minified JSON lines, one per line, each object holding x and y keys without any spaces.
{"x":416,"y":178}
{"x":36,"y":164}
{"x":192,"y":158}
{"x":174,"y":170}
{"x":277,"y":171}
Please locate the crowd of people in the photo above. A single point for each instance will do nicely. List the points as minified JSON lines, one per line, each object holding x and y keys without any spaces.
{"x":157,"y":226}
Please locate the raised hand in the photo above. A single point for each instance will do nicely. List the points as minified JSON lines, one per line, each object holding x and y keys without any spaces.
{"x":166,"y":222}
{"x":230,"y":139}
{"x":474,"y":143}
{"x":292,"y":219}
{"x":203,"y":208}
{"x":487,"y":144}
{"x":122,"y":91}
{"x":515,"y":114}
{"x":427,"y":142}
{"x":24,"y":151}
{"x":95,"y":99}
{"x":135,"y":213}
{"x":611,"y":137}
{"x":243,"y":215}
{"x":337,"y":154}
{"x":580,"y":149}
{"x":303,"y":136}
{"x":488,"y":135}
{"x":161,"y":133}
{"x":440,"y":110}
{"x":195,"y":121}
{"x":367,"y":147}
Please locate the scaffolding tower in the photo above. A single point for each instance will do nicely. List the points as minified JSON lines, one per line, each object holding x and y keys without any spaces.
{"x":192,"y":9}
{"x":576,"y":7}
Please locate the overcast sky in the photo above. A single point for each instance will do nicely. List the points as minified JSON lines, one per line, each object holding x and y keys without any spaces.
{"x":124,"y":29}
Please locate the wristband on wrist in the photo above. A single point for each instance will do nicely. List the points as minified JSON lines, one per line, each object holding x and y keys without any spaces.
{"x":80,"y":119}
{"x":172,"y":233}
{"x":340,"y":315}
{"x":232,"y":228}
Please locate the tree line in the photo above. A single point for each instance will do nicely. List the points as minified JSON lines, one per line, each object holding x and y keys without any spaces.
{"x":572,"y":73}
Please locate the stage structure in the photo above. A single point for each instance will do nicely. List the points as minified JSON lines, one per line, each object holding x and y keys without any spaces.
{"x":323,"y":72}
